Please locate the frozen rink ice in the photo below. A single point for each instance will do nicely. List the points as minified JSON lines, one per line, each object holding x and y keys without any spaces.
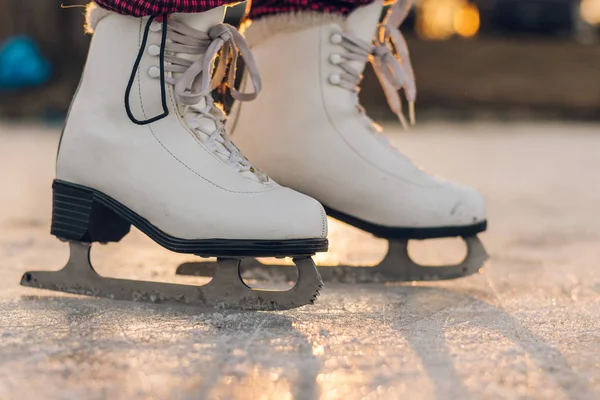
{"x":528,"y":326}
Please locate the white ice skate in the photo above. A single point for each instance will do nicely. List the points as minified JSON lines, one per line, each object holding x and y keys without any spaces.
{"x":144,"y":145}
{"x":309,"y":132}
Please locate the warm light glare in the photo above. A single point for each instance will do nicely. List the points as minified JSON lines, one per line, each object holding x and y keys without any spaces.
{"x":590,"y":11}
{"x":440,"y":19}
{"x":435,"y":19}
{"x":466,"y":20}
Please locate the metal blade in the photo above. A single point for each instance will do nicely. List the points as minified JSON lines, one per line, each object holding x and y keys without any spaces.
{"x":225,"y":290}
{"x":397,"y":266}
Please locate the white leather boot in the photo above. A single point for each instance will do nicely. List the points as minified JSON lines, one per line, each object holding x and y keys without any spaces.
{"x":144,"y":145}
{"x":309,"y":132}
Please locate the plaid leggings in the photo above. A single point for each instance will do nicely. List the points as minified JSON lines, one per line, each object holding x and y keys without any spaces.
{"x":260,"y":8}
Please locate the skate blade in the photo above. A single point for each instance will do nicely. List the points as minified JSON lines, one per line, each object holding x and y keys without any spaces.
{"x":225,"y":290}
{"x":397,"y":266}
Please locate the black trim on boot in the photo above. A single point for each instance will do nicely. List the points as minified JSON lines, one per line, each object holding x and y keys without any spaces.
{"x":83,"y":214}
{"x":390,"y":232}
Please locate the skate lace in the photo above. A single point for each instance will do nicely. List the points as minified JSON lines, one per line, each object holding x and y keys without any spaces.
{"x":193,"y":81}
{"x":390,"y":59}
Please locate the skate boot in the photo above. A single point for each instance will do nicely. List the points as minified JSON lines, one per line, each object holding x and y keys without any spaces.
{"x":144,"y":145}
{"x":309,"y":132}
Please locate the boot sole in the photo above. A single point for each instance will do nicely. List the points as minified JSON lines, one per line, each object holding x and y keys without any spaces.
{"x":82,"y":214}
{"x":388,"y":232}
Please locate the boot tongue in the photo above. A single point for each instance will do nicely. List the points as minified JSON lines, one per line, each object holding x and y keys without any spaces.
{"x":363,"y":21}
{"x":201,"y":21}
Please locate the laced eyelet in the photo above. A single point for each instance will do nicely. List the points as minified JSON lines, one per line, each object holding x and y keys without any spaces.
{"x":153,"y":50}
{"x":335,"y":79}
{"x":154,"y":72}
{"x":335,"y":59}
{"x":336,"y":38}
{"x":155,"y":26}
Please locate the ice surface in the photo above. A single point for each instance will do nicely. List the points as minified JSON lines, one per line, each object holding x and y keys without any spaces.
{"x":528,"y":326}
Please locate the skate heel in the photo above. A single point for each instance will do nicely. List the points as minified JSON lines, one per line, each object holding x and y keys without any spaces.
{"x":78,"y":216}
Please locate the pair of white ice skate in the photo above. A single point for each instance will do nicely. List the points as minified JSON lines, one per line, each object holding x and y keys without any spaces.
{"x":145,"y":145}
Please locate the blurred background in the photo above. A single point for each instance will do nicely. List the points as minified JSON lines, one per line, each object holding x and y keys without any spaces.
{"x":509,"y":103}
{"x":482,"y":59}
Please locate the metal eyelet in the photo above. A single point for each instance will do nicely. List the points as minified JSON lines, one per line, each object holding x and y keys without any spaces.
{"x":155,"y":26}
{"x":154,"y":72}
{"x":335,"y":79}
{"x":335,"y":59}
{"x":153,"y":50}
{"x":336,"y":38}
